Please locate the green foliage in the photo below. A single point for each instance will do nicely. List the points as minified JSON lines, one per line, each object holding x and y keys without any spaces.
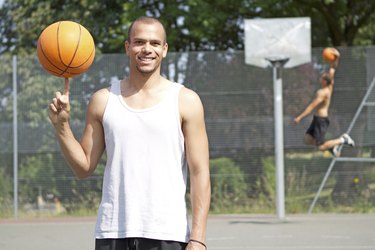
{"x":301,"y":174}
{"x":6,"y":195}
{"x":193,"y":25}
{"x":36,"y":174}
{"x":29,"y":17}
{"x":228,"y":184}
{"x":6,"y":74}
{"x":267,"y":181}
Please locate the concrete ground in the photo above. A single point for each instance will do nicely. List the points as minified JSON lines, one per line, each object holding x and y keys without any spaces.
{"x":256,"y":232}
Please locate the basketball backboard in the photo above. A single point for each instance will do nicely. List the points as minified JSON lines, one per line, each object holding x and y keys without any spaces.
{"x":278,"y":38}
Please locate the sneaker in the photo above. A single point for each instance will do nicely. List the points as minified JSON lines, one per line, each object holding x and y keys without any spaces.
{"x":335,"y":151}
{"x":348,"y":140}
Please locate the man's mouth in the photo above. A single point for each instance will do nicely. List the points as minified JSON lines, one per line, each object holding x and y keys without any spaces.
{"x":146,"y":59}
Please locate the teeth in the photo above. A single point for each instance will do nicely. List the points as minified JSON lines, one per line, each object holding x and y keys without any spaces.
{"x":145,"y":59}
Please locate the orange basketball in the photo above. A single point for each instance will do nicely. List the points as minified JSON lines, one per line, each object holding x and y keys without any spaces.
{"x":329,"y":55}
{"x":66,"y":49}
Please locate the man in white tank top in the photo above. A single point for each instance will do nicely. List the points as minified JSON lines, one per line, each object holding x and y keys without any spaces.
{"x":153,"y":132}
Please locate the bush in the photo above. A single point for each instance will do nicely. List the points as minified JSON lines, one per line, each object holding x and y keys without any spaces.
{"x":6,"y":197}
{"x":228,"y":185}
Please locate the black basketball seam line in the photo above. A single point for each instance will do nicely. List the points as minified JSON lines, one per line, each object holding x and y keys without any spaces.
{"x":75,"y":52}
{"x":52,"y":64}
{"x":91,"y":53}
{"x":58,"y":48}
{"x":59,"y":74}
{"x":86,"y":59}
{"x":44,"y":54}
{"x":79,"y":41}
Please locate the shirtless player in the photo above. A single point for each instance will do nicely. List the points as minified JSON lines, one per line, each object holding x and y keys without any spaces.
{"x":315,"y":134}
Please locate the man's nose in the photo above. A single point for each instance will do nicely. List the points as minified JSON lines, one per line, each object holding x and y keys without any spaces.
{"x":146,"y":47}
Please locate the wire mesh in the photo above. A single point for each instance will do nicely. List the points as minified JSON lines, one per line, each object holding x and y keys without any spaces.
{"x":238,"y":101}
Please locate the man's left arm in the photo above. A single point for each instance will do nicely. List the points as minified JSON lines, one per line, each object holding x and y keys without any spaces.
{"x":334,"y":64}
{"x":197,"y":153}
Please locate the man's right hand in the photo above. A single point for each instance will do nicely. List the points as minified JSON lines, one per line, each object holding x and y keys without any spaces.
{"x":59,"y":108}
{"x":296,"y":120}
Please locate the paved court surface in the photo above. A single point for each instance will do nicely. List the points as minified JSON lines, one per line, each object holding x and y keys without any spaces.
{"x":303,"y":232}
{"x":232,"y":232}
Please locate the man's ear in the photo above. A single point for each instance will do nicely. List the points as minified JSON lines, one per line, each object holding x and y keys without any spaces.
{"x":165,"y":51}
{"x":126,"y":47}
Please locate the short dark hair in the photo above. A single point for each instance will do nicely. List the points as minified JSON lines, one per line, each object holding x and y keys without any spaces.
{"x":327,"y":77}
{"x":147,"y":20}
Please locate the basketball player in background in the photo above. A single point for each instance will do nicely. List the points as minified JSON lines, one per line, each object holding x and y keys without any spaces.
{"x":315,"y":134}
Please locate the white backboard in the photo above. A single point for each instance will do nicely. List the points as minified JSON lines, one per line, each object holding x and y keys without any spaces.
{"x":278,"y":38}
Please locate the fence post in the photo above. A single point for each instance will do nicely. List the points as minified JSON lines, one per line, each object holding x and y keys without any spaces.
{"x":15,"y":140}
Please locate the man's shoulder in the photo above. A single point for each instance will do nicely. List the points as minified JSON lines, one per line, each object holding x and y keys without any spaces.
{"x":98,"y":103}
{"x":103,"y":92}
{"x":100,"y":96}
{"x":186,"y":94}
{"x":325,"y":91}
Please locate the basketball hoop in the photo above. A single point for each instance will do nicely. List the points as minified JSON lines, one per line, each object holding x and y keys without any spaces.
{"x":281,"y":42}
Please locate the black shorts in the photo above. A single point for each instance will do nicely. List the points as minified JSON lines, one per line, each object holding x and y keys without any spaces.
{"x":318,"y":129}
{"x":138,"y":244}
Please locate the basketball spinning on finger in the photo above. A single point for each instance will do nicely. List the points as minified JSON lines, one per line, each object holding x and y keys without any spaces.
{"x":66,"y":49}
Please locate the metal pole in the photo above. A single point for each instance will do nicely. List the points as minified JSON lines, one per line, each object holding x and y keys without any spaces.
{"x":279,"y":144}
{"x":277,"y":65}
{"x":322,"y":185}
{"x":363,"y":103}
{"x":15,"y":140}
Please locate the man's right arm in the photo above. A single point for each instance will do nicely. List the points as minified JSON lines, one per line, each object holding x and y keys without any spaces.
{"x":319,"y":98}
{"x":82,"y":156}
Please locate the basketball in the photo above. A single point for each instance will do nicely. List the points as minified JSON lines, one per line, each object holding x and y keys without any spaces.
{"x":329,"y":55}
{"x":65,"y":49}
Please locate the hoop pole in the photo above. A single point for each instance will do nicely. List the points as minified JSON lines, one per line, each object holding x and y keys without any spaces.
{"x":279,"y":144}
{"x":279,"y":134}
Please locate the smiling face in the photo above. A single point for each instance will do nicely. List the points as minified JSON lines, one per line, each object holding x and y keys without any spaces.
{"x":146,"y":46}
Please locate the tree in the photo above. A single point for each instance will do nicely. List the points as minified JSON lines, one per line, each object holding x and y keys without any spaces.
{"x":336,"y":22}
{"x":194,"y":25}
{"x":24,"y":20}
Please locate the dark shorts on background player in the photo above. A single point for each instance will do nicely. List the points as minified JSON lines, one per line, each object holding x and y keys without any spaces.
{"x":318,"y":129}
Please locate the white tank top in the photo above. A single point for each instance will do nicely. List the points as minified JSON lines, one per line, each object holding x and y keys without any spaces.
{"x":144,"y":182}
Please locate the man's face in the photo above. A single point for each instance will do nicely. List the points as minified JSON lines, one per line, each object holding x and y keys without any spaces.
{"x":147,"y":47}
{"x":323,"y":81}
